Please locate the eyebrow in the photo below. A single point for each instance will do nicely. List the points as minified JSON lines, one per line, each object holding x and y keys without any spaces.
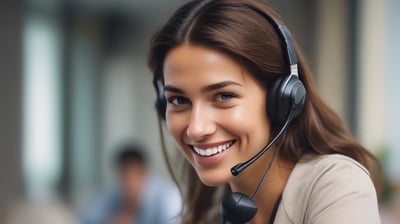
{"x":208,"y":88}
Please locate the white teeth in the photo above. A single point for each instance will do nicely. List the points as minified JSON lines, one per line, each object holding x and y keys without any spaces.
{"x":213,"y":150}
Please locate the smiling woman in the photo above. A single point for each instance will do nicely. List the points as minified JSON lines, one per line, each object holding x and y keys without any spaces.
{"x":239,"y":101}
{"x":210,"y":98}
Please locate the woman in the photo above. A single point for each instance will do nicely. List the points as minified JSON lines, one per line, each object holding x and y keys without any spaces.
{"x":231,"y":83}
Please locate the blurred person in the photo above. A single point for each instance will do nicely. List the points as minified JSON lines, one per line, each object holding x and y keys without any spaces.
{"x":238,"y":98}
{"x":138,"y":198}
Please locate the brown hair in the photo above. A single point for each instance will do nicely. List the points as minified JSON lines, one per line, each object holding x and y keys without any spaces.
{"x":235,"y":28}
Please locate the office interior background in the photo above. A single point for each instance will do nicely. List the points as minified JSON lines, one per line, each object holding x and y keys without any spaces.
{"x":74,"y":85}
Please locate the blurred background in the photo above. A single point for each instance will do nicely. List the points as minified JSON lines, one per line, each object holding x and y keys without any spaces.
{"x":74,"y":85}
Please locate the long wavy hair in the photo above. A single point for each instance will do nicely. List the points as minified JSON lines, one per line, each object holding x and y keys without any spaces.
{"x":236,"y":29}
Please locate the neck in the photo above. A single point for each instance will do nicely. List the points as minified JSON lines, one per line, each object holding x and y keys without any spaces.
{"x":271,"y":189}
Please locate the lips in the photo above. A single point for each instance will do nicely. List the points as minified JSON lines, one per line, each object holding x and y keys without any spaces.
{"x":211,"y":150}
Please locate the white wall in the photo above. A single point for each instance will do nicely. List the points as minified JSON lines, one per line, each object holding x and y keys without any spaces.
{"x":332,"y":59}
{"x":393,"y":81}
{"x":372,"y":61}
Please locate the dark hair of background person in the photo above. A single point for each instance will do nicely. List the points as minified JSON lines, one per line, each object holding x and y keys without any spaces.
{"x":234,"y":28}
{"x":129,"y":154}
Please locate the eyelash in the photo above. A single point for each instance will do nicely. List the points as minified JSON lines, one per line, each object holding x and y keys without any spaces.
{"x":173,"y":98}
{"x":219,"y":97}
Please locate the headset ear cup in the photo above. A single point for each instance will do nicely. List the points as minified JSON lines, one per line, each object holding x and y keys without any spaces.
{"x":161,"y":107}
{"x":275,"y":104}
{"x":285,"y":97}
{"x":297,"y":96}
{"x":161,"y":102}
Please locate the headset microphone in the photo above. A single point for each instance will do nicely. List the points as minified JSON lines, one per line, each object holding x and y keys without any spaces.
{"x":238,"y":208}
{"x":236,"y":170}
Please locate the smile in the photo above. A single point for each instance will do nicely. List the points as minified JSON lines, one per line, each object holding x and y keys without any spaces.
{"x":211,"y":151}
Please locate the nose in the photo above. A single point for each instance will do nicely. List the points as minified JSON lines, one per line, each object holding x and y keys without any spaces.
{"x":201,"y":124}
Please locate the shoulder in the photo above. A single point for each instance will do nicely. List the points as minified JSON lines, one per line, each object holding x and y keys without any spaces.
{"x":327,"y":162}
{"x":159,"y":185}
{"x":161,"y":198}
{"x":101,"y":206}
{"x":328,"y":168}
{"x":320,"y":186}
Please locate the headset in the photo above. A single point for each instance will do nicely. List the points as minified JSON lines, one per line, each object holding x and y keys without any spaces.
{"x":287,"y":94}
{"x":285,"y":101}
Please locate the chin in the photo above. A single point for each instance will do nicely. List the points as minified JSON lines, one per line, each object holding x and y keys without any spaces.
{"x":214,"y":178}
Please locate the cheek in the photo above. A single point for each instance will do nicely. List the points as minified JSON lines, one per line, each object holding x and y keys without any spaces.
{"x":175,"y":125}
{"x":247,"y":115}
{"x":248,"y":120}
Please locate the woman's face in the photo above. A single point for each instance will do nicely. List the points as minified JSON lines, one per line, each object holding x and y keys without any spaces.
{"x":216,"y":111}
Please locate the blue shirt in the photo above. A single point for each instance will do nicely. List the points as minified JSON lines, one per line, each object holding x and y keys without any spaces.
{"x":160,"y":203}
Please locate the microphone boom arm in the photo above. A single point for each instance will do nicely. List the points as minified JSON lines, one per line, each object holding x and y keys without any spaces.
{"x":237,"y":169}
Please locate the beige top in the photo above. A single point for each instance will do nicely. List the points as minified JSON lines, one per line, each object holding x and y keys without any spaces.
{"x":329,"y":189}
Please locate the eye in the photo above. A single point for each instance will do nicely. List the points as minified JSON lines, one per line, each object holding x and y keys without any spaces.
{"x":178,"y":100}
{"x":225,"y":96}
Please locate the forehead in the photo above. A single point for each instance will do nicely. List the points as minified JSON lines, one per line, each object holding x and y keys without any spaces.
{"x":193,"y":61}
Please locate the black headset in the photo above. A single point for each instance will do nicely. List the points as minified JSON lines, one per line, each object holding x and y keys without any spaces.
{"x":287,"y":94}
